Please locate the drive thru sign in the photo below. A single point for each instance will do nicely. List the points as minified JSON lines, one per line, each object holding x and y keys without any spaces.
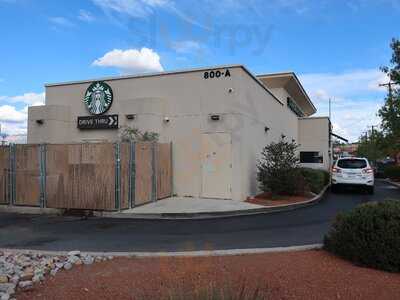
{"x":98,"y":122}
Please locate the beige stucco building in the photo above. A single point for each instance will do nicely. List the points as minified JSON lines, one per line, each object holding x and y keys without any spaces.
{"x":218,"y":120}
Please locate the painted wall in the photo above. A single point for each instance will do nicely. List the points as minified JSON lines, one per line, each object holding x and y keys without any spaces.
{"x":314,"y":136}
{"x":187,"y":99}
{"x":254,"y":110}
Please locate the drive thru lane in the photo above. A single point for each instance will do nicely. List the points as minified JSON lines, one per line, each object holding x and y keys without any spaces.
{"x":298,"y":227}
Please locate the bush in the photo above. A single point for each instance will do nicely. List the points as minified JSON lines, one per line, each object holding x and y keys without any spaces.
{"x":278,"y":169}
{"x":392,"y":172}
{"x":131,"y":134}
{"x":316,"y":180}
{"x":369,"y":235}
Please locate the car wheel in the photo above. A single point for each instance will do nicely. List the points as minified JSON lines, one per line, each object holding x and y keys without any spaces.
{"x":334,"y":188}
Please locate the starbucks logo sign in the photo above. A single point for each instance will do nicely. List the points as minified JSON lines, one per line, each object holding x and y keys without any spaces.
{"x":98,"y":98}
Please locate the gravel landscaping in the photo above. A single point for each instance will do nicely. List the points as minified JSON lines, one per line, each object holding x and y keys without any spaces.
{"x":21,"y":272}
{"x":307,"y":275}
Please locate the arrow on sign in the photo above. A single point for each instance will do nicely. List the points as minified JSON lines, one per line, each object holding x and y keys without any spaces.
{"x":98,"y":122}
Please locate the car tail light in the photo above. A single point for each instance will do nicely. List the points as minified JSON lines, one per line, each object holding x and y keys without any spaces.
{"x":336,"y":170}
{"x":368,"y":171}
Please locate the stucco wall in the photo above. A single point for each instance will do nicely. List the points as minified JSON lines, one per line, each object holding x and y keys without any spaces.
{"x":314,"y":136}
{"x":186,"y":99}
{"x":258,"y":110}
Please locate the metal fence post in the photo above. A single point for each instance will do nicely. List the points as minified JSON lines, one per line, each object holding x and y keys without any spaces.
{"x":11,"y":175}
{"x":117,"y":176}
{"x":172,"y":169}
{"x":42,"y":161}
{"x":154,"y":172}
{"x":132,"y":174}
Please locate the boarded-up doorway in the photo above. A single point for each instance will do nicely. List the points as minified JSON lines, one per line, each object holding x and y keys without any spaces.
{"x":216,"y":159}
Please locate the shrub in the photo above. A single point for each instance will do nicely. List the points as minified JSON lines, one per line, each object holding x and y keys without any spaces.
{"x":327,"y":177}
{"x":278,"y":169}
{"x":369,"y":235}
{"x":315,"y":179}
{"x":392,"y":172}
{"x":129,"y":134}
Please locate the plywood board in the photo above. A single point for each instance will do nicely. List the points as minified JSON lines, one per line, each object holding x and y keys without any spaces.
{"x":27,"y":175}
{"x":164,"y":171}
{"x":4,"y":174}
{"x":144,"y":172}
{"x":125,"y":160}
{"x":81,"y":176}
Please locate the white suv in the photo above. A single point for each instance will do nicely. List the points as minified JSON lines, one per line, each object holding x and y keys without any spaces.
{"x":352,"y":171}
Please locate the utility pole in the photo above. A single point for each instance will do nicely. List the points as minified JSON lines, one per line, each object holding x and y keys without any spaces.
{"x":330,"y":112}
{"x":373,"y":145}
{"x":389,"y":85}
{"x":330,"y":135}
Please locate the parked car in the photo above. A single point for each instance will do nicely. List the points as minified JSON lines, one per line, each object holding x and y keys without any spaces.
{"x":381,"y":165}
{"x":352,"y":171}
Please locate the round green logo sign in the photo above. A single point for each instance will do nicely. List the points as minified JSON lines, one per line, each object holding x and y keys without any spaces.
{"x":98,"y":98}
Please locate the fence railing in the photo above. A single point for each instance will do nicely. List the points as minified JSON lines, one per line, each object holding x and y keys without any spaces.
{"x":97,"y":176}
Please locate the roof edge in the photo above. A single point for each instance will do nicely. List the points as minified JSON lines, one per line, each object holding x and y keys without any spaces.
{"x":311,"y":118}
{"x":183,"y":71}
{"x":143,"y":75}
{"x":291,"y":73}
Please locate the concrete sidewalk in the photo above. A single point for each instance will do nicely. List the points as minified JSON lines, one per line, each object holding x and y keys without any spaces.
{"x":178,"y":205}
{"x":180,"y":208}
{"x":203,"y":208}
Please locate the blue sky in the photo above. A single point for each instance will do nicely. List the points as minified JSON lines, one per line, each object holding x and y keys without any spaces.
{"x":336,"y":47}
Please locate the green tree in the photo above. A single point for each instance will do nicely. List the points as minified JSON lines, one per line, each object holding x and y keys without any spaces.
{"x":372,"y":145}
{"x":278,"y":168}
{"x":390,"y":111}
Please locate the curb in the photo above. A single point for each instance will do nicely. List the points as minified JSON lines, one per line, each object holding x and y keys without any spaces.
{"x":173,"y":216}
{"x":392,"y":182}
{"x":216,"y":215}
{"x":30,"y":210}
{"x":200,"y":253}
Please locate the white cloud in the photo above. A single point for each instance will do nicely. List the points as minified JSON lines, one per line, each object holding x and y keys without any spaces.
{"x":346,"y":83}
{"x":145,"y":8}
{"x":32,"y":99}
{"x":187,"y":46}
{"x":9,"y":114}
{"x":356,"y":98}
{"x":85,"y":16}
{"x":133,"y":8}
{"x":374,"y":85}
{"x":61,"y":21}
{"x":131,"y":60}
{"x":13,"y":120}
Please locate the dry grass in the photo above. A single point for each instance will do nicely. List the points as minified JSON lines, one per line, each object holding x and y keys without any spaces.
{"x":290,"y":276}
{"x":191,"y":278}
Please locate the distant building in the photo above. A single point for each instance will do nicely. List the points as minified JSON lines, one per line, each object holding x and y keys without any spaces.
{"x":346,"y":150}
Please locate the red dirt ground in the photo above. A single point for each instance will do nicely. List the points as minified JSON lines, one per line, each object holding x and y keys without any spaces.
{"x":294,"y":275}
{"x":266,"y":199}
